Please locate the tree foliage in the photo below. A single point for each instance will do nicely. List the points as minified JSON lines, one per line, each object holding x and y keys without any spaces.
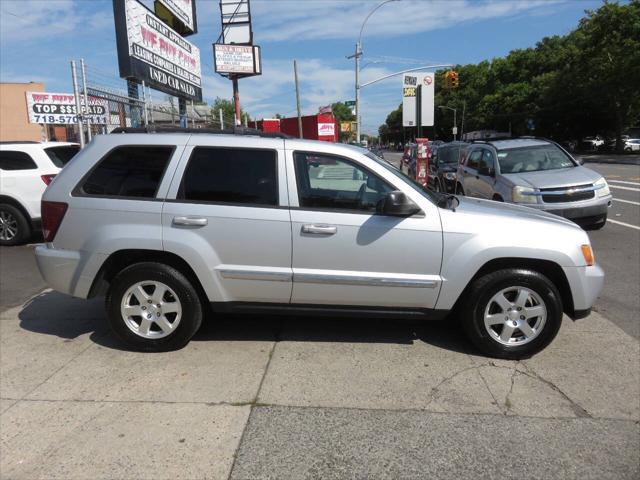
{"x":228,"y":111}
{"x":583,"y":83}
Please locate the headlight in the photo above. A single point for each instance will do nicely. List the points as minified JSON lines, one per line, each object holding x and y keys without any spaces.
{"x":524,"y":195}
{"x":450,"y":175}
{"x":603,"y":187}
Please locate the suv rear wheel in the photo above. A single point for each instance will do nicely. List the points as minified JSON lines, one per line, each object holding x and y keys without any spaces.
{"x":512,"y":313}
{"x":14,"y":227}
{"x":153,"y":307}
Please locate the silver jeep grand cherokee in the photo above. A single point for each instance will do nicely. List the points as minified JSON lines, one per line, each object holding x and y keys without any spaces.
{"x":170,"y":225}
{"x":536,"y":173}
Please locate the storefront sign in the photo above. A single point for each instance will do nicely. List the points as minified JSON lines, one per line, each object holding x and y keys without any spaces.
{"x":60,"y":108}
{"x":151,"y":51}
{"x":326,"y":129}
{"x":237,"y":59}
{"x":181,"y":11}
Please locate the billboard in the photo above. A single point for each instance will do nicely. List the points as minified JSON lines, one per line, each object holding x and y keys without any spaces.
{"x":410,"y":83}
{"x":236,"y":59}
{"x":151,"y":51}
{"x":60,"y":108}
{"x":236,"y":22}
{"x":179,"y":14}
{"x":325,"y":129}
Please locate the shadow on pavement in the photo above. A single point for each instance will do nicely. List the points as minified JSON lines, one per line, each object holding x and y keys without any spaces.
{"x":53,"y":313}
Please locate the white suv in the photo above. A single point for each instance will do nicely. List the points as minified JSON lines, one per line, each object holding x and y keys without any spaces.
{"x":171,"y":225}
{"x":26,"y":168}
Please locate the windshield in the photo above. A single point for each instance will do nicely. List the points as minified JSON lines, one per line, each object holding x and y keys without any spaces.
{"x":434,"y":197}
{"x":60,"y":156}
{"x":533,"y":159}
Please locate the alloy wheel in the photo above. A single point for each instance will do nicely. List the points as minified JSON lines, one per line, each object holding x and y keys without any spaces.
{"x":151,"y":309}
{"x":8,"y":226}
{"x":515,"y":316}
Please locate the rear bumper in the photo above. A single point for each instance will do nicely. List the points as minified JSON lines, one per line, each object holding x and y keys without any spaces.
{"x":586,"y":284}
{"x":68,"y":271}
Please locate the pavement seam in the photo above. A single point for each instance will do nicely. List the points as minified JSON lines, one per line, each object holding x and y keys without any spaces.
{"x":255,"y":403}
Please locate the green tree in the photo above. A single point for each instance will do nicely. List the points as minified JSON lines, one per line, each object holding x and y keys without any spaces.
{"x":342,"y":114}
{"x":228,"y":112}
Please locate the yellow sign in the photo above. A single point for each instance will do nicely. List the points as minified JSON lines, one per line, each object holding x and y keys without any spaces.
{"x":409,"y":92}
{"x":345,"y":127}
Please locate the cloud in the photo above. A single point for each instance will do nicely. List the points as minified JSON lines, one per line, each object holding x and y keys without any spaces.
{"x":282,"y":20}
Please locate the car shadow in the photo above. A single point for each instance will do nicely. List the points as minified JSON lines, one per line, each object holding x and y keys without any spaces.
{"x":66,"y":317}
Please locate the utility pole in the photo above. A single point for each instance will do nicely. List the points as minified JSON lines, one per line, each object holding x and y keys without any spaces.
{"x":464,"y":107}
{"x":295,"y":74}
{"x":221,"y":120}
{"x":236,"y":100}
{"x":76,"y":94}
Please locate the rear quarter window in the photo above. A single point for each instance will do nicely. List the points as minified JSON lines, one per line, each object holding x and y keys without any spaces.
{"x":13,"y":160}
{"x":60,"y":156}
{"x":134,"y":172}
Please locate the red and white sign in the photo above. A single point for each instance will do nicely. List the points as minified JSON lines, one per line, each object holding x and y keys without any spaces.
{"x":60,"y":108}
{"x":423,"y":153}
{"x":326,"y":129}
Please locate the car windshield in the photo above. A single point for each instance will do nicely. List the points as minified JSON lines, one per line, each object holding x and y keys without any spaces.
{"x":432,"y":196}
{"x":533,"y":159}
{"x":60,"y":156}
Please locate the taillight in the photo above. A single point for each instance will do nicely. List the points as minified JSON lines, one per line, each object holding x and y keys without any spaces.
{"x":52,"y":215}
{"x":47,"y":178}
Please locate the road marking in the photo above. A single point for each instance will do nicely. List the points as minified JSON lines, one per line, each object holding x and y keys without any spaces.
{"x":623,"y":224}
{"x":624,"y":188}
{"x":625,"y":183}
{"x":625,"y":201}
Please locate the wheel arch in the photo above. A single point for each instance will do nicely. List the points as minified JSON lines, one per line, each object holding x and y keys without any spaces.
{"x":548,"y":268}
{"x":121,"y":259}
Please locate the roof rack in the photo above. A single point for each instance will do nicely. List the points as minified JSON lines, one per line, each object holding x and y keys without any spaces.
{"x":18,"y":142}
{"x":228,"y":131}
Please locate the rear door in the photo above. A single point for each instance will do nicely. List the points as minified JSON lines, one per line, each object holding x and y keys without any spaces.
{"x":484,"y":184}
{"x":470,"y":177}
{"x":20,"y":179}
{"x":227,"y":215}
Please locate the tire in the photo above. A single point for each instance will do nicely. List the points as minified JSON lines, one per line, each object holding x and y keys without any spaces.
{"x":459,"y":189}
{"x":180,"y":297}
{"x":541,"y":296}
{"x":14,"y":227}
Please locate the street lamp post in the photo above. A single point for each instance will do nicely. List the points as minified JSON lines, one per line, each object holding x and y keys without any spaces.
{"x":455,"y":123}
{"x":357,"y":55}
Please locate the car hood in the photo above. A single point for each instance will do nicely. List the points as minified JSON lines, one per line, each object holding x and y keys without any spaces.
{"x":478,"y":207}
{"x":563,"y":177}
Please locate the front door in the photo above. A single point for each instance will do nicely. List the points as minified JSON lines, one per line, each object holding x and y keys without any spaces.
{"x":346,"y":254}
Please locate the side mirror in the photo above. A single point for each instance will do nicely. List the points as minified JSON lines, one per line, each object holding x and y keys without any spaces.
{"x":397,"y":204}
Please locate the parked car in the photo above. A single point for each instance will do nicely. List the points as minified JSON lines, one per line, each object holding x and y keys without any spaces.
{"x":632,"y":145}
{"x":408,"y":157}
{"x":591,"y":143}
{"x":26,"y":168}
{"x":536,"y":173}
{"x":443,"y":167}
{"x":170,"y":224}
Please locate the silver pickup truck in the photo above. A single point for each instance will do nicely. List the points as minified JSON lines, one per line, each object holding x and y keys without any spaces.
{"x":171,"y":226}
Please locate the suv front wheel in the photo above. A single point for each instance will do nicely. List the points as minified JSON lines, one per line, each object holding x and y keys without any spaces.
{"x":512,"y":313}
{"x":153,"y":307}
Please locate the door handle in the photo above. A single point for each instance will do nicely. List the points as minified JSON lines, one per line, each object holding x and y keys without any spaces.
{"x":319,"y":229}
{"x":190,"y":221}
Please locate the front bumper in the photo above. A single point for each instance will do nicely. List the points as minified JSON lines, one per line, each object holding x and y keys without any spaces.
{"x":586,"y":284}
{"x":592,"y":208}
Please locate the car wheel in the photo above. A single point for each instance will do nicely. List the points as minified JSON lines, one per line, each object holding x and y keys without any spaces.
{"x":14,"y":227}
{"x":153,"y":307}
{"x":512,"y":314}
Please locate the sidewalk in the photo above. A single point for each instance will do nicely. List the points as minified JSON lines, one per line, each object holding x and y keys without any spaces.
{"x":627,"y":159}
{"x":306,"y":398}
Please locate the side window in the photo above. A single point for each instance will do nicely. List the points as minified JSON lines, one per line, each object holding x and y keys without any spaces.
{"x":128,"y":172}
{"x":487,"y":160}
{"x":336,"y":183}
{"x":225,"y":175}
{"x":474,"y":159}
{"x":11,"y":160}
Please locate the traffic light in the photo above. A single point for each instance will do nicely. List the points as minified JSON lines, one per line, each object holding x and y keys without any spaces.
{"x":455,"y":83}
{"x":451,"y":79}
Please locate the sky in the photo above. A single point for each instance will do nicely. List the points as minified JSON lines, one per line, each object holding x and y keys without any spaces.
{"x":39,"y":38}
